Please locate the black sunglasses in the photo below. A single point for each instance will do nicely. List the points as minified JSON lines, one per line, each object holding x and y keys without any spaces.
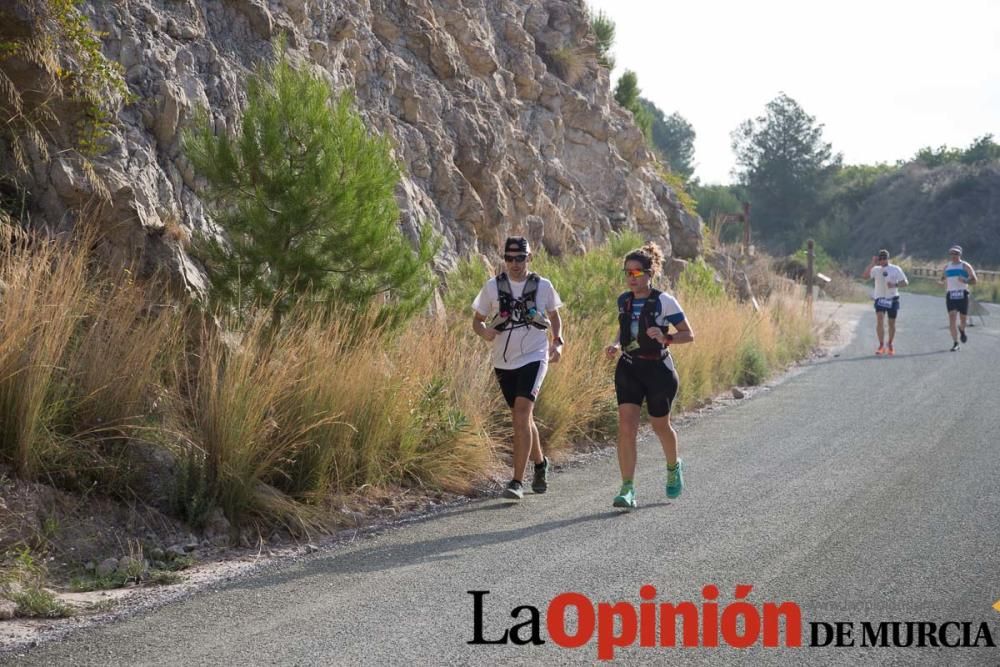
{"x":515,"y":258}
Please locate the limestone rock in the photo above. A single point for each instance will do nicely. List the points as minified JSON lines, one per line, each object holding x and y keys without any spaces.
{"x":491,"y":138}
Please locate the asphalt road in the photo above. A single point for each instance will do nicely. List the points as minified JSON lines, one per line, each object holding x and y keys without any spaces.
{"x":862,"y":489}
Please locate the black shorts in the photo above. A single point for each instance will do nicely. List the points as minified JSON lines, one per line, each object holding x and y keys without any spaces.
{"x":892,"y":310}
{"x":961,"y":305}
{"x":647,"y":379}
{"x":524,"y":381}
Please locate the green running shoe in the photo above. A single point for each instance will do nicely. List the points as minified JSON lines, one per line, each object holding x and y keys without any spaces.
{"x":625,"y":497}
{"x":675,"y":479}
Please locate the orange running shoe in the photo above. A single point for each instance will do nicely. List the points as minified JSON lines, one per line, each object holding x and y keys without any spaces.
{"x":891,"y":350}
{"x":880,"y":351}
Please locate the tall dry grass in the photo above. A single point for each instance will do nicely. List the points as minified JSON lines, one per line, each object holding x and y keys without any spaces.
{"x":409,"y":403}
{"x":331,"y":404}
{"x":577,"y":398}
{"x":735,"y":345}
{"x":126,"y":341}
{"x":82,"y":356}
{"x":44,"y":295}
{"x":236,"y":420}
{"x":271,"y":424}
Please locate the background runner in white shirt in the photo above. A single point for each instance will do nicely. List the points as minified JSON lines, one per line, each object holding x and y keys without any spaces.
{"x":957,"y":275}
{"x":888,"y":279}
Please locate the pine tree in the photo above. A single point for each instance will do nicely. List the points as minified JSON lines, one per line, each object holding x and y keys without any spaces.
{"x":627,"y":95}
{"x":785,"y":165}
{"x":604,"y":35}
{"x":305,"y":195}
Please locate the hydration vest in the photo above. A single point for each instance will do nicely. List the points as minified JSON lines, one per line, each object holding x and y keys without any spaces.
{"x":518,"y":312}
{"x":644,"y":346}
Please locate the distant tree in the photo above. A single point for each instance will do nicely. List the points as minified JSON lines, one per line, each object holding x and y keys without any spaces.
{"x":982,"y":149}
{"x":604,"y":32}
{"x":785,"y":165}
{"x":673,"y":137}
{"x":935,"y":157}
{"x":627,"y":94}
{"x":716,"y":200}
{"x":306,"y":196}
{"x":847,"y":191}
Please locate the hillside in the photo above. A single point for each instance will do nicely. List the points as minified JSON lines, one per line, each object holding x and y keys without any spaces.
{"x":919,"y":211}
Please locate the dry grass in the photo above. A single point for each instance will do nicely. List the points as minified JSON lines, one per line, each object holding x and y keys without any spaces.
{"x":568,"y":63}
{"x":274,"y":424}
{"x":82,"y":355}
{"x":43,"y":298}
{"x":734,"y":345}
{"x":577,"y":397}
{"x":333,"y":404}
{"x":409,"y":404}
{"x":124,"y":346}
{"x":236,"y":420}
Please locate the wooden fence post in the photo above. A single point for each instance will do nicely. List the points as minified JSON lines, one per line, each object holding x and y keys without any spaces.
{"x":810,"y":254}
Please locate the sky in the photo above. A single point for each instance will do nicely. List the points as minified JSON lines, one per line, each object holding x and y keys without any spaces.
{"x":884,"y":77}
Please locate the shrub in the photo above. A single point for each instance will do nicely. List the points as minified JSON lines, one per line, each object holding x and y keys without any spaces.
{"x":307,"y":197}
{"x":752,"y":367}
{"x":568,"y":63}
{"x":699,"y":279}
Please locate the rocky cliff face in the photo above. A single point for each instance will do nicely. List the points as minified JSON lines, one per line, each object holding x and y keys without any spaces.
{"x":502,"y":119}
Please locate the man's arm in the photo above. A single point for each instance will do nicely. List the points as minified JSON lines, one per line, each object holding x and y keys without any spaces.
{"x":480,"y":329}
{"x":555,"y":345}
{"x":972,"y":279}
{"x":555,"y":320}
{"x":871,"y":265}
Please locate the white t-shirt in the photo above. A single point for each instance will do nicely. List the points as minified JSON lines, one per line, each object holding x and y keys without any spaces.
{"x":952,"y":272}
{"x":885,"y":274}
{"x":521,"y":346}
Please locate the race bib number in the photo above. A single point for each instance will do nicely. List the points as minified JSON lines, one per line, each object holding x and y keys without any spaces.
{"x":956,"y":294}
{"x":884,"y":302}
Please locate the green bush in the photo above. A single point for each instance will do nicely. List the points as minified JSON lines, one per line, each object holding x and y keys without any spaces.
{"x":307,"y":197}
{"x":604,"y":34}
{"x":698,"y":279}
{"x":822,"y":262}
{"x":753,"y":367}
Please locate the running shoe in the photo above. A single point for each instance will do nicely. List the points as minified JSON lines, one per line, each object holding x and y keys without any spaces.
{"x":513,"y":490}
{"x":954,"y":347}
{"x":540,"y":481}
{"x":962,"y":336}
{"x":625,"y":497}
{"x":880,"y":351}
{"x":675,"y":479}
{"x":890,"y":350}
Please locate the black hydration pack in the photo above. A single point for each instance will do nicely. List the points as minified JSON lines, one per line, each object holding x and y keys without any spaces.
{"x":643,"y":346}
{"x":516,"y":313}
